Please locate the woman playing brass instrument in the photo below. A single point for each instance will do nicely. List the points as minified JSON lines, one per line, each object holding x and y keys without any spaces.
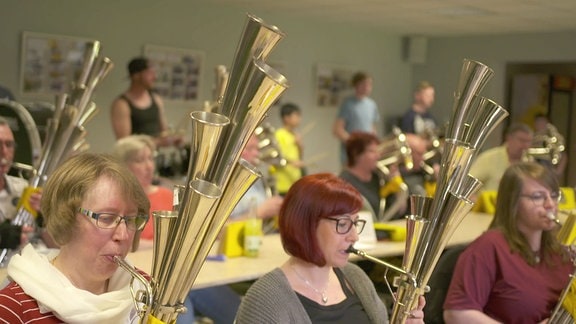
{"x":94,"y":209}
{"x":318,"y":222}
{"x":362,"y":172}
{"x":514,"y":272}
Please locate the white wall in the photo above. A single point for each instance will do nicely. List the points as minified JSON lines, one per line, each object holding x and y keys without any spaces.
{"x":125,"y":26}
{"x":445,"y":56}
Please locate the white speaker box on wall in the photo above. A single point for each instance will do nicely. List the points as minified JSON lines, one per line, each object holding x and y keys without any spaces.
{"x":415,"y":49}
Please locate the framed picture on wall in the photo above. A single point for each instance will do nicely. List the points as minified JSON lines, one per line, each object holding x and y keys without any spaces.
{"x":332,"y":84}
{"x":49,"y":63}
{"x":178,"y":72}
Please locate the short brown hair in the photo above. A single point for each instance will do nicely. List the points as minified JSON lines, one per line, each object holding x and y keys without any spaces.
{"x":518,"y":127}
{"x":68,"y":184}
{"x":357,"y":143}
{"x":310,"y":199}
{"x":359,"y":77}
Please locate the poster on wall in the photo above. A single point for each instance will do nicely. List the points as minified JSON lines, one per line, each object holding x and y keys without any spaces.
{"x":178,"y":72}
{"x":50,"y":63}
{"x":333,"y":84}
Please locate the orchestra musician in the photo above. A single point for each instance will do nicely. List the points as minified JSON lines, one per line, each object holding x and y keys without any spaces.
{"x":362,"y":172}
{"x":515,"y":271}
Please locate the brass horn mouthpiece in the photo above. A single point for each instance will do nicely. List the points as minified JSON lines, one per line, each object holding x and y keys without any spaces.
{"x":553,"y":218}
{"x":145,"y":296}
{"x":363,"y":254}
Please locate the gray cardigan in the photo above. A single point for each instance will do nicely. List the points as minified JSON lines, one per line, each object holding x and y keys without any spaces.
{"x":272,"y":300}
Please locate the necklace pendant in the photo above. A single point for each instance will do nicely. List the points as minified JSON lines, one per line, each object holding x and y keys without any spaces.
{"x":324,"y":298}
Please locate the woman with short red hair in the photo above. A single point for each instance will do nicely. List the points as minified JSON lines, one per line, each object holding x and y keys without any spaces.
{"x":318,"y":222}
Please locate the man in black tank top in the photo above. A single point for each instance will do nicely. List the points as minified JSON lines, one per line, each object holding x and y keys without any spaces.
{"x":139,"y":110}
{"x":144,"y":120}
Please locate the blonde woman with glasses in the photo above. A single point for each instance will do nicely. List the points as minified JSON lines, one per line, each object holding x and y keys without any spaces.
{"x":94,"y":209}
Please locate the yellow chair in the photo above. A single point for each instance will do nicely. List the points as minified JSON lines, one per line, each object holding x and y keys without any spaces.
{"x":568,"y":201}
{"x":567,"y":233}
{"x":486,"y":202}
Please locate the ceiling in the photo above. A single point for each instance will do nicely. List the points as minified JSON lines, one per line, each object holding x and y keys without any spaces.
{"x":430,"y":17}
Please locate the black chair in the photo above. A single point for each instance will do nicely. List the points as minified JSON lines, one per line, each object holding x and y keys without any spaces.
{"x":439,"y":283}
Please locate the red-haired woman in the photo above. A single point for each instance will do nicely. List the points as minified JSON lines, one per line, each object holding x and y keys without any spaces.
{"x":318,"y":221}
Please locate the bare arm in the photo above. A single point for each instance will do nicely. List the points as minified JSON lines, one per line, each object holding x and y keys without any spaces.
{"x":269,"y":208}
{"x":120,"y":117}
{"x":339,"y":130}
{"x":162,"y":113}
{"x":165,"y":138}
{"x":561,"y":167}
{"x":419,"y":146}
{"x":468,"y":316}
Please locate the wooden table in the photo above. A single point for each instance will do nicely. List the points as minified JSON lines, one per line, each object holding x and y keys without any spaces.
{"x":272,"y":255}
{"x":214,"y":273}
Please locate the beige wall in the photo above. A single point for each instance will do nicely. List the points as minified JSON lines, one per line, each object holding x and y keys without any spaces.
{"x":125,"y":26}
{"x":445,"y":57}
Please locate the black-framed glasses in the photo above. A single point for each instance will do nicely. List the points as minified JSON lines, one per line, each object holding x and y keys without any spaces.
{"x":539,"y":197}
{"x":109,"y":220}
{"x":344,"y":224}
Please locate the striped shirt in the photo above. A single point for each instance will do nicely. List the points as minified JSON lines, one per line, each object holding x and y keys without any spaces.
{"x":18,"y":307}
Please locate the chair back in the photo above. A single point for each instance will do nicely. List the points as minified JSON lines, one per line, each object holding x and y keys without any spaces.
{"x":439,"y":283}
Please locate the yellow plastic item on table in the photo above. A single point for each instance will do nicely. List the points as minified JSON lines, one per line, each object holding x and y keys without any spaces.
{"x":567,"y":233}
{"x":568,"y":202}
{"x":394,"y":185}
{"x":153,"y":320}
{"x":430,"y":188}
{"x":486,"y":202}
{"x":24,"y":201}
{"x":396,"y":232}
{"x":232,"y":244}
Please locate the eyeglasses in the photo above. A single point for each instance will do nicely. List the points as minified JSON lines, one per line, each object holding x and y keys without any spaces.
{"x":109,"y":220}
{"x":539,"y":197}
{"x":8,"y":144}
{"x":344,"y":224}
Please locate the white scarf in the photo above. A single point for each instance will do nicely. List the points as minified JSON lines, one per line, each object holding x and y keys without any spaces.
{"x":55,"y":293}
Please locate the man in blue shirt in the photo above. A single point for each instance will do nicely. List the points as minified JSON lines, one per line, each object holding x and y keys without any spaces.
{"x":357,"y":113}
